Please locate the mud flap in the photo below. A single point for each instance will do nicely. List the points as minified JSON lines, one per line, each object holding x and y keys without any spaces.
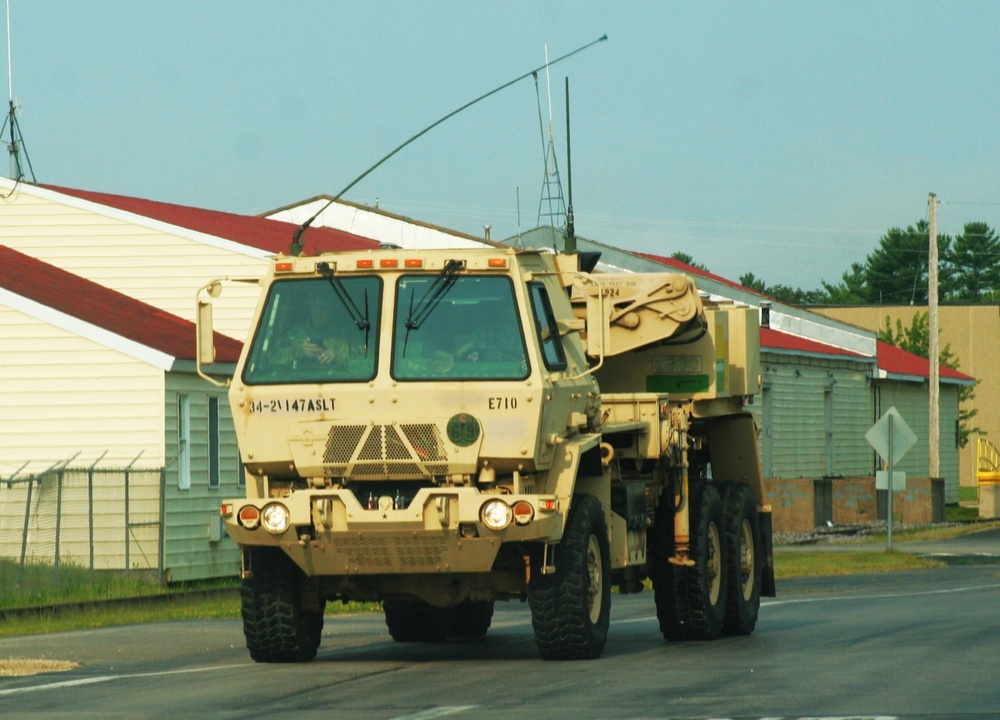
{"x":767,"y":587}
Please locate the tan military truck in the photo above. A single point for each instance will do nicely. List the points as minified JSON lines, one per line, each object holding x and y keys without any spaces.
{"x":441,"y":429}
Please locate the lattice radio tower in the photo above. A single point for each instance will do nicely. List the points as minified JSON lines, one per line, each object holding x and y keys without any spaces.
{"x":552,"y":205}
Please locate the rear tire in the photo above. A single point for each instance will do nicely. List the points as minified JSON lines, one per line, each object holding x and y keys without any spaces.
{"x":691,"y":601}
{"x":744,"y":562}
{"x":571,"y":608}
{"x":276,"y":627}
{"x":471,"y":619}
{"x":416,"y":621}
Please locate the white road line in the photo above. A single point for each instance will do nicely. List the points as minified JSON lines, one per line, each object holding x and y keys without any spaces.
{"x":884,"y":596}
{"x":436,"y":712}
{"x":109,"y":678}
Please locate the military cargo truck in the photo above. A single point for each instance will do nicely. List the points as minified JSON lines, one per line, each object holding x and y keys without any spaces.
{"x":438,"y":430}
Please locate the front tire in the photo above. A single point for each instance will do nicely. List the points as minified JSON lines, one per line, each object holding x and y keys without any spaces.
{"x":571,"y":608}
{"x":276,"y":626}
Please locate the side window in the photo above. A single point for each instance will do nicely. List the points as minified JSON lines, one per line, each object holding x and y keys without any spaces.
{"x":214,"y":472}
{"x":546,"y":328}
{"x":183,"y":442}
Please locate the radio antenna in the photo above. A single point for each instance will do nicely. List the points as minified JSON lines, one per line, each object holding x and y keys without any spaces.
{"x":16,"y":142}
{"x":296,"y":247}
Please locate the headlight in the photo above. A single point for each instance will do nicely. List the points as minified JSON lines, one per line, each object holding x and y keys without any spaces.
{"x":496,"y":514}
{"x":274,"y":518}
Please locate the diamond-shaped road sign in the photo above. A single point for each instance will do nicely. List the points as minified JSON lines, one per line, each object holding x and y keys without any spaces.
{"x":902,"y":437}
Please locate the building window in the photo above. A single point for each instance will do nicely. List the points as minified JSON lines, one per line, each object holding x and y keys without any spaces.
{"x":213,"y":443}
{"x":828,"y":430}
{"x":183,"y":442}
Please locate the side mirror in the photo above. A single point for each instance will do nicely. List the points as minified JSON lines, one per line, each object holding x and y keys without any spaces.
{"x":206,"y":333}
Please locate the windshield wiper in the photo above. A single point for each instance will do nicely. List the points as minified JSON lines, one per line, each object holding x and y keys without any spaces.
{"x":357,"y":317}
{"x":436,"y":291}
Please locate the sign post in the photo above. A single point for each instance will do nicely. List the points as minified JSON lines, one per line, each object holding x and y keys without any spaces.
{"x":892,"y":438}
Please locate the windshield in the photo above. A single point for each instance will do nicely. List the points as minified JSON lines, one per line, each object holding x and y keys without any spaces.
{"x":308,"y":333}
{"x":472,"y":331}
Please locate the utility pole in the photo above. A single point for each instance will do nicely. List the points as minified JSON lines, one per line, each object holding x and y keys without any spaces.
{"x":934,"y":426}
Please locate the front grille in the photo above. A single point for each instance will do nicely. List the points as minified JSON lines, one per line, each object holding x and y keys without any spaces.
{"x":381,"y":552}
{"x":386,"y":451}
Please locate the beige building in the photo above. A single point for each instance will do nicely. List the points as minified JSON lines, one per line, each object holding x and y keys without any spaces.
{"x":973,"y":334}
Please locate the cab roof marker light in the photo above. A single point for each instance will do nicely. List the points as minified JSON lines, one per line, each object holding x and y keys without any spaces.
{"x":283,"y":266}
{"x":388,"y":263}
{"x":497,"y":262}
{"x":365,"y":264}
{"x":413,"y":263}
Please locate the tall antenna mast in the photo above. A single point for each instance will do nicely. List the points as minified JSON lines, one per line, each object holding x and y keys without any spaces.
{"x":16,"y":142}
{"x":551,"y":206}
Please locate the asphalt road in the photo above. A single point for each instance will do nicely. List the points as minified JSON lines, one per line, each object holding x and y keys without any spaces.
{"x":920,"y":644}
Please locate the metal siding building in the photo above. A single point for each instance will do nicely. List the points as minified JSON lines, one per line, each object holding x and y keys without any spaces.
{"x":972,"y":333}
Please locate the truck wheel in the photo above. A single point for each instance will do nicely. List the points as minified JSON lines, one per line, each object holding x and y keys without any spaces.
{"x":691,"y":601}
{"x":743,"y":567}
{"x":471,"y":619}
{"x":415,"y":621}
{"x":571,"y":609}
{"x":276,"y":627}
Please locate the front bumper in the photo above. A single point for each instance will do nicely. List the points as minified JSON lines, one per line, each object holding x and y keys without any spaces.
{"x":440,"y":531}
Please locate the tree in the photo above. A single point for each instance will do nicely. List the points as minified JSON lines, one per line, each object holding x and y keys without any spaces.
{"x":973,"y":265}
{"x":782,"y":293}
{"x":688,"y":260}
{"x":896,"y":272}
{"x":915,"y":339}
{"x":750,"y":282}
{"x":851,"y":290}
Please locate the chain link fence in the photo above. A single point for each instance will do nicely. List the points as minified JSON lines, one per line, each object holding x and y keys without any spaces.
{"x":99,"y":518}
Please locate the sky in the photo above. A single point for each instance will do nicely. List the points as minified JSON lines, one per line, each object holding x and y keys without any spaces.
{"x":781,"y":139}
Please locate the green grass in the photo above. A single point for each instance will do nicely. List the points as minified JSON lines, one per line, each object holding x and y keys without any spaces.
{"x":38,"y":585}
{"x":933,"y":532}
{"x":820,"y":563}
{"x":112,"y":598}
{"x":179,"y":607}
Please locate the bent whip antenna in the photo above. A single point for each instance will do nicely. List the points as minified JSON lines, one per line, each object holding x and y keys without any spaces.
{"x":296,"y":247}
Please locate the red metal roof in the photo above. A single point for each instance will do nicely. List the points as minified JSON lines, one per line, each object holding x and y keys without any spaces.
{"x":891,"y":360}
{"x":107,"y":309}
{"x":270,"y":235}
{"x":777,"y":340}
{"x":895,"y":361}
{"x":692,"y":270}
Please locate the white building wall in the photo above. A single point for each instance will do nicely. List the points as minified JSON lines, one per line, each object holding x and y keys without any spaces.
{"x":158,"y":264}
{"x":383,"y":227}
{"x":62,"y":394}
